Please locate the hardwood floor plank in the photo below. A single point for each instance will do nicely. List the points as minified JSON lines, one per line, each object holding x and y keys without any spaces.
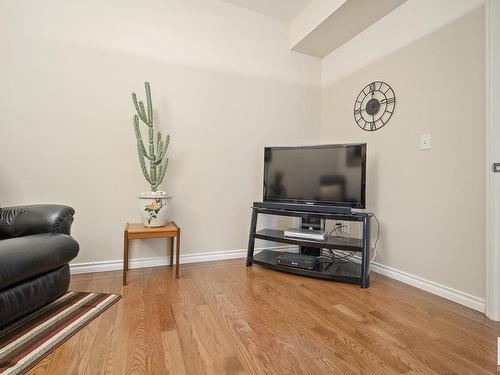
{"x":353,"y":325}
{"x":291,"y":318}
{"x":173,"y":354}
{"x":225,"y":318}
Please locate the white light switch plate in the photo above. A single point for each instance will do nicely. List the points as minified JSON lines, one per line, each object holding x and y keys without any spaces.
{"x":425,"y":141}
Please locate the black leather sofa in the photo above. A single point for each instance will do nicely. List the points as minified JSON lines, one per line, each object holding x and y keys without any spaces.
{"x":35,"y":249}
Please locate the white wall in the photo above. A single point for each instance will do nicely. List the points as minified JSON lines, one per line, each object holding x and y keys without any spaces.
{"x":224,"y":85}
{"x":410,"y":21}
{"x":431,"y":204}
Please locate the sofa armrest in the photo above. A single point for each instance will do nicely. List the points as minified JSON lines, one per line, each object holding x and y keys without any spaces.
{"x":20,"y":221}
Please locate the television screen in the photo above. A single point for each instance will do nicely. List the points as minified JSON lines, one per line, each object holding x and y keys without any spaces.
{"x":327,"y":174}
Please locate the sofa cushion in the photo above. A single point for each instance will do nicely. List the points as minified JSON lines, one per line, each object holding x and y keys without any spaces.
{"x":25,"y":257}
{"x":28,"y":296}
{"x":18,"y":221}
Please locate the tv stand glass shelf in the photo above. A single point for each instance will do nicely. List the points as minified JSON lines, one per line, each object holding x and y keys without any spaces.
{"x":340,"y":270}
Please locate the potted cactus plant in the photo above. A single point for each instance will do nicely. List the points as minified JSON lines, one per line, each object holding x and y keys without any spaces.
{"x":153,"y":203}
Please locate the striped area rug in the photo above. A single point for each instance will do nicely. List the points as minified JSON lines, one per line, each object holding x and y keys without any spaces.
{"x":31,"y":338}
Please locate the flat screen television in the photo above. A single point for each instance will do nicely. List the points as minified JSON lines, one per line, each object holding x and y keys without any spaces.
{"x":324,"y":175}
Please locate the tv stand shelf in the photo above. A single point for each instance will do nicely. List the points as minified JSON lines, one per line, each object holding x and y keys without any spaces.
{"x":352,"y":272}
{"x":331,"y":242}
{"x":347,"y":272}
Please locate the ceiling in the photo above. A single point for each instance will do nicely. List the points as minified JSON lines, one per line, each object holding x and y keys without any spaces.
{"x":343,"y":24}
{"x":286,"y":10}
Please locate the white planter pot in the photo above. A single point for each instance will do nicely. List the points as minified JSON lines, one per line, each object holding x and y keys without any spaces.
{"x":153,"y":208}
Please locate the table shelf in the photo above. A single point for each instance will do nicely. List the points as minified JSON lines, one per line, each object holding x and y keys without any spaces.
{"x":331,"y":242}
{"x":341,"y":271}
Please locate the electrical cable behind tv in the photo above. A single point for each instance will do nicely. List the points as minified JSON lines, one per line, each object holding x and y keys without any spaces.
{"x":374,"y":250}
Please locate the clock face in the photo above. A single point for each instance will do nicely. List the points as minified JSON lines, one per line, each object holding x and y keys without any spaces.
{"x":374,"y":106}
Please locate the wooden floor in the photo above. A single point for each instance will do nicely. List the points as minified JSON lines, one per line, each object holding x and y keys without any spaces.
{"x":224,"y":318}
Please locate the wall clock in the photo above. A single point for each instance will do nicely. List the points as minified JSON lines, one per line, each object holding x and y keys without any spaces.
{"x":374,"y":106}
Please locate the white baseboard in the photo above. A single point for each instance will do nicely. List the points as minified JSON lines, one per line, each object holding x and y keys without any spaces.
{"x":454,"y":295}
{"x":440,"y":290}
{"x":451,"y":294}
{"x":117,"y":265}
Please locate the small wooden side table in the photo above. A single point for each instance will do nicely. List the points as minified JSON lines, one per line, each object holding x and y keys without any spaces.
{"x":139,"y":231}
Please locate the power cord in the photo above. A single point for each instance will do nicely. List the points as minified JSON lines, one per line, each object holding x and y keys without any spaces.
{"x":345,"y":258}
{"x":374,"y":250}
{"x":332,"y":256}
{"x":336,"y":228}
{"x":340,"y":258}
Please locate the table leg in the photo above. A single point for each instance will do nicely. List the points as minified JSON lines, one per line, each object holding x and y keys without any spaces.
{"x":365,"y":255}
{"x":171,"y":251}
{"x":177,"y":251}
{"x":125,"y":258}
{"x":251,"y":238}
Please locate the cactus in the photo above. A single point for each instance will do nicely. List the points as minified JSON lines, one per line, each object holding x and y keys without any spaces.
{"x":156,"y":149}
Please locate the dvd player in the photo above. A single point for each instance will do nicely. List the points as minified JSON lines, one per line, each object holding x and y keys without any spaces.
{"x":296,"y":260}
{"x":306,"y":234}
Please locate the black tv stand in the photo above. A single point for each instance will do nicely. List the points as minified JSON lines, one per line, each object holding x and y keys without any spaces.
{"x":353,"y":272}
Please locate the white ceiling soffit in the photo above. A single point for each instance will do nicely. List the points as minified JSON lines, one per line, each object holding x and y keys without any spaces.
{"x":344,"y":20}
{"x":285,"y":10}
